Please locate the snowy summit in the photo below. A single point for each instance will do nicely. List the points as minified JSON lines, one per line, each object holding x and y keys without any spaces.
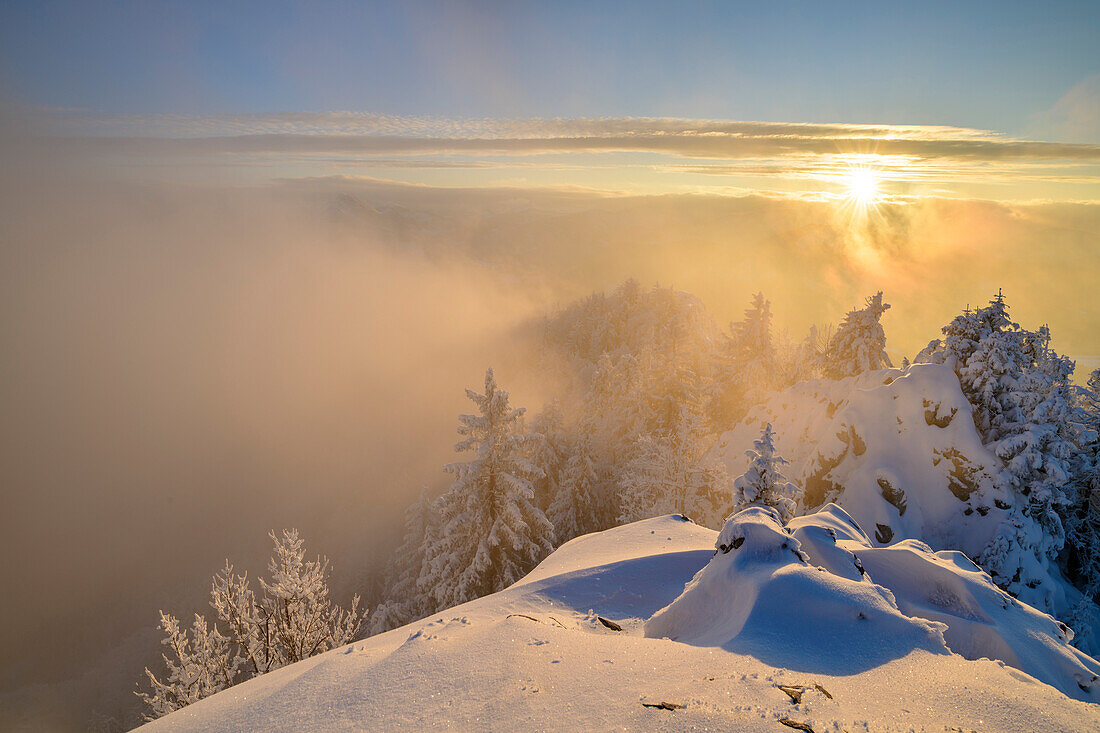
{"x":754,"y":628}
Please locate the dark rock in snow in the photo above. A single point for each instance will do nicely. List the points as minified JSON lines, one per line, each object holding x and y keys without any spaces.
{"x":662,"y":705}
{"x":737,"y":542}
{"x":609,"y":623}
{"x":793,"y":691}
{"x":893,"y":495}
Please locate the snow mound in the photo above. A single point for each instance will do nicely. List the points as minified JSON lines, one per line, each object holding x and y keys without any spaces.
{"x":761,"y":595}
{"x":982,"y":620}
{"x":818,"y":595}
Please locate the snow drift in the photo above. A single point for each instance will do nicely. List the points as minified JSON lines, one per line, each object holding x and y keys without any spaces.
{"x":761,"y":595}
{"x":536,"y":657}
{"x":816,"y":595}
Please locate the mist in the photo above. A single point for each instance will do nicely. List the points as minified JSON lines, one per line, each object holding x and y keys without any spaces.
{"x":189,"y":365}
{"x":187,"y":368}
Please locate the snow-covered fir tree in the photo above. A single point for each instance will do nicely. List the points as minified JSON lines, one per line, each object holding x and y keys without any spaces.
{"x":804,"y":360}
{"x":859,"y":344}
{"x":549,"y":451}
{"x":577,"y":507}
{"x":763,"y":482}
{"x":491,"y":532}
{"x":1023,"y":403}
{"x":1084,"y":521}
{"x":674,"y":473}
{"x":750,"y":366}
{"x":405,"y":600}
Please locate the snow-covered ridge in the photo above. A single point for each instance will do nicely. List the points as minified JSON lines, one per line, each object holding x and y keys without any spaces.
{"x":537,"y":656}
{"x":898,"y":449}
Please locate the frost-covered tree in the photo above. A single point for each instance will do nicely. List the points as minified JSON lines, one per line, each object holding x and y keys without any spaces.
{"x":293,"y":618}
{"x":763,"y":482}
{"x":304,"y":620}
{"x":198,"y":665}
{"x":803,"y":361}
{"x":405,"y":600}
{"x":491,"y":532}
{"x":1084,"y":521}
{"x":750,"y":365}
{"x":859,"y":344}
{"x":616,"y":407}
{"x":577,"y":507}
{"x":1023,"y":405}
{"x":549,"y":451}
{"x":674,"y":473}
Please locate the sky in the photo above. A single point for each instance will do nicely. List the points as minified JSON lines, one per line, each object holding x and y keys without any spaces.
{"x":991,"y":65}
{"x":934,"y":97}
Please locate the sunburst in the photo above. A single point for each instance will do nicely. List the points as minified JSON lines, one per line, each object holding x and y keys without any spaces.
{"x":863,"y":186}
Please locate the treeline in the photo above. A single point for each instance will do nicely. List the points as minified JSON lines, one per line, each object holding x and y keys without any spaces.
{"x":645,"y":383}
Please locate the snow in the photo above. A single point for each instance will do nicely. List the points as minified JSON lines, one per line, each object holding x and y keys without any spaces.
{"x":761,"y":595}
{"x":535,"y":656}
{"x":905,"y":434}
{"x":898,"y":449}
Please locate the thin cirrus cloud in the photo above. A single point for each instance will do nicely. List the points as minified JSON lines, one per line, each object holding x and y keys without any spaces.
{"x":645,"y":153}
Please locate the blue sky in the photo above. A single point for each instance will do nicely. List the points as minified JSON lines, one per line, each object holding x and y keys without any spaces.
{"x":996,"y":66}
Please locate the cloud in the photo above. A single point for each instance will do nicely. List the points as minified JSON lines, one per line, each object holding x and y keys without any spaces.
{"x":706,"y":145}
{"x":370,"y":134}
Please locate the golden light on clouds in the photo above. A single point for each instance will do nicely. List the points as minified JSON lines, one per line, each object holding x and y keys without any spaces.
{"x":612,"y":155}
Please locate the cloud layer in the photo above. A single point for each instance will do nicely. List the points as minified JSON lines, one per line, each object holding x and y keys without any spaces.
{"x":635,"y":154}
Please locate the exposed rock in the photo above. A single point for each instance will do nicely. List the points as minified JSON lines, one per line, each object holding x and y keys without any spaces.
{"x":663,"y":705}
{"x":609,"y":623}
{"x":794,"y":692}
{"x":893,"y":495}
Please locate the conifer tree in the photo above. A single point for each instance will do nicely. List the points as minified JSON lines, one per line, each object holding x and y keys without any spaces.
{"x":763,"y":482}
{"x":859,"y":344}
{"x":1023,"y":404}
{"x":491,"y":532}
{"x":1085,"y":519}
{"x":751,"y":367}
{"x":576,"y":508}
{"x":405,"y":600}
{"x":548,"y":453}
{"x":674,"y":473}
{"x":805,"y":361}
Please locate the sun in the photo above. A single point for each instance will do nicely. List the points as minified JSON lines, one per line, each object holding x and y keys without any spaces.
{"x":863,"y":186}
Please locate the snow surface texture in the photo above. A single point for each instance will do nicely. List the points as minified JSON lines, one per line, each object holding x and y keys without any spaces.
{"x":536,"y":657}
{"x":816,"y":595}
